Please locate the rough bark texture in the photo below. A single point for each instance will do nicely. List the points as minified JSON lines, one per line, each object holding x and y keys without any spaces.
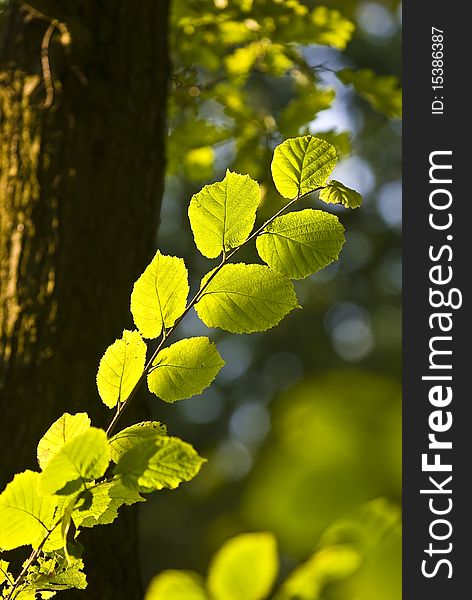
{"x":80,"y":188}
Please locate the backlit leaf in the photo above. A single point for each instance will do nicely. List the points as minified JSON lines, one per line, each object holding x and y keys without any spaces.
{"x":304,"y":107}
{"x":26,"y":517}
{"x":245,"y":298}
{"x":4,"y":574}
{"x":69,"y":576}
{"x":244,"y":568}
{"x":176,"y":585}
{"x":338,"y":193}
{"x":320,"y":26}
{"x":83,"y":458}
{"x":301,"y":165}
{"x":99,"y":505}
{"x":383,"y":92}
{"x":53,"y":572}
{"x":341,"y":140}
{"x":120,"y":368}
{"x":190,"y":145}
{"x":301,"y":243}
{"x":327,"y":565}
{"x":330,"y":27}
{"x":133,"y":435}
{"x":61,"y":431}
{"x":161,"y":463}
{"x":241,"y":61}
{"x":184,"y":369}
{"x":222,"y":214}
{"x":198,"y":163}
{"x":159,"y":295}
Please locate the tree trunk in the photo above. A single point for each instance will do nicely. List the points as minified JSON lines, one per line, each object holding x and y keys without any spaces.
{"x":82,"y":117}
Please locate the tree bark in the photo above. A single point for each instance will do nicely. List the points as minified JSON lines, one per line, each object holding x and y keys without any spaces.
{"x":82,"y":120}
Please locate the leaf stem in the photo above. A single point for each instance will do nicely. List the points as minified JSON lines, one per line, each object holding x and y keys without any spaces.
{"x":164,"y":337}
{"x":167,"y":333}
{"x":33,"y":556}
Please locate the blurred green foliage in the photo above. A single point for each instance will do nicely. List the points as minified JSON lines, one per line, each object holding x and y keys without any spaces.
{"x":352,"y":557}
{"x":321,"y":459}
{"x":383,"y":93}
{"x":228,"y":57}
{"x":302,"y":428}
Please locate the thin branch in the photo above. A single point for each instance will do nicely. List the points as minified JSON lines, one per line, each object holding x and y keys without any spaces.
{"x":45,"y":64}
{"x":36,"y":13}
{"x":7,"y":576}
{"x":165,"y":335}
{"x":45,"y":43}
{"x":33,"y":556}
{"x":225,"y":258}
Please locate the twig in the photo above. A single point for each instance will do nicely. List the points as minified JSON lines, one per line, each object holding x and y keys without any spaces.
{"x":33,"y":556}
{"x":36,"y":13}
{"x":45,"y":42}
{"x":7,"y":576}
{"x":191,"y":304}
{"x":45,"y":64}
{"x":165,"y":335}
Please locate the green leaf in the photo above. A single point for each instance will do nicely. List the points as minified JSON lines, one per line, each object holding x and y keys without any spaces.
{"x":4,"y":574}
{"x":276,"y":60}
{"x":341,"y":140}
{"x":245,"y":298}
{"x":26,"y":517}
{"x":91,"y":507}
{"x":382,"y":92}
{"x":269,"y":57}
{"x":66,"y":522}
{"x":99,"y":505}
{"x":330,"y":27}
{"x":244,"y":568}
{"x":304,"y":107}
{"x":190,"y":145}
{"x":133,"y":435}
{"x":120,"y":368}
{"x":161,"y":463}
{"x":54,"y":572}
{"x":328,"y":565}
{"x":159,"y":295}
{"x":301,"y":243}
{"x":58,"y":537}
{"x":235,"y":33}
{"x":69,"y":576}
{"x":81,"y":459}
{"x":241,"y":61}
{"x":301,"y":165}
{"x":198,"y":163}
{"x":320,"y":26}
{"x":61,"y":431}
{"x":184,"y":369}
{"x":338,"y":193}
{"x":176,"y":585}
{"x":222,"y":214}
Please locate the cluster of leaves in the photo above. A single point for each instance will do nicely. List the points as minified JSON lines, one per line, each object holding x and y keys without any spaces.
{"x":246,"y":567}
{"x":86,"y":474}
{"x":381,"y":92}
{"x":242,"y":48}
